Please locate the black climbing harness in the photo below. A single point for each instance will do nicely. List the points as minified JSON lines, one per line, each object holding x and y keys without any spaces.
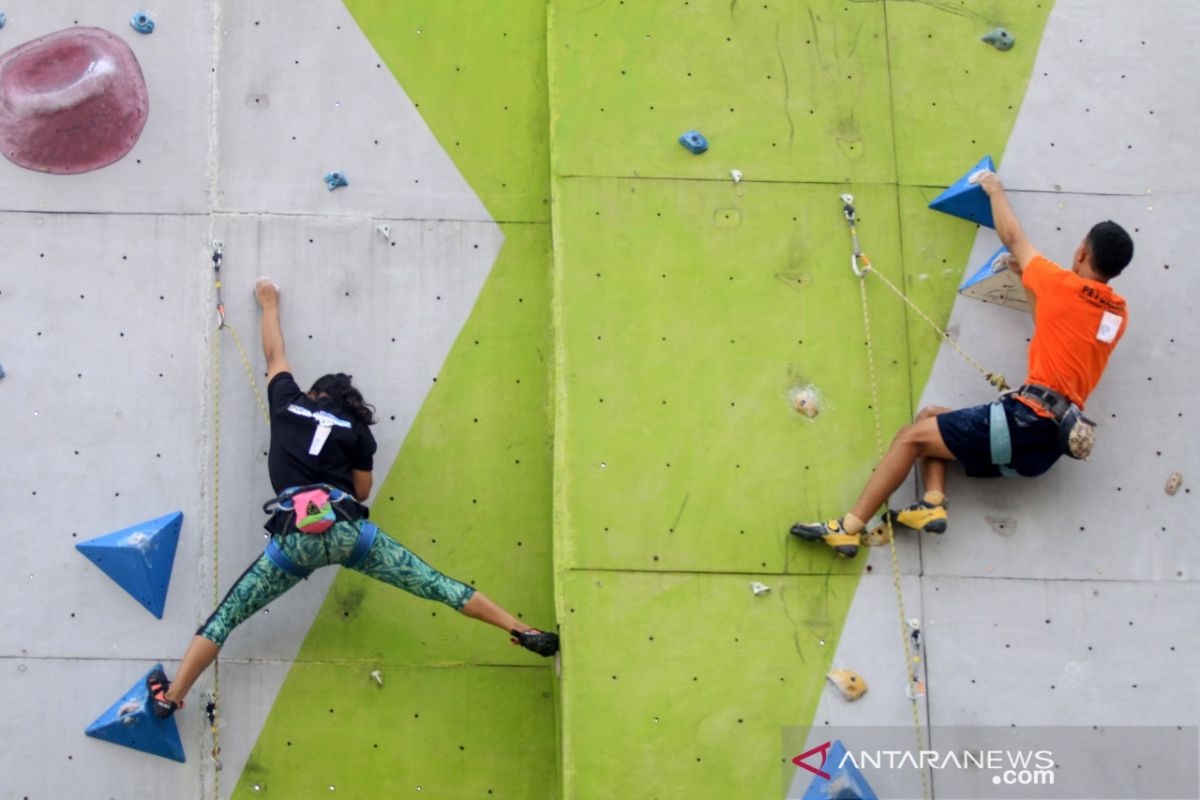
{"x":283,"y":507}
{"x":1076,"y":433}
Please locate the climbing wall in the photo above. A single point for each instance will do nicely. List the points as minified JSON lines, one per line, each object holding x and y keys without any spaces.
{"x":699,"y":304}
{"x":403,"y":279}
{"x":1068,"y":600}
{"x":584,"y":344}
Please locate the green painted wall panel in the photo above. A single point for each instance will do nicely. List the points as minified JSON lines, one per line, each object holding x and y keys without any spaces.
{"x":689,"y":309}
{"x":783,"y":91}
{"x":351,"y":738}
{"x":686,"y":308}
{"x":936,"y":248}
{"x":688,"y":680}
{"x":955,"y":97}
{"x":477,"y":71}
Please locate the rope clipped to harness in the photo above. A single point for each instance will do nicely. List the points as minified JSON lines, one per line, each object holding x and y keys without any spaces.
{"x":861,"y":265}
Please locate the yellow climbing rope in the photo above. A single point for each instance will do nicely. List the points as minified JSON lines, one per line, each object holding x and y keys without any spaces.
{"x":222,"y":324}
{"x":915,"y":690}
{"x":862,"y":267}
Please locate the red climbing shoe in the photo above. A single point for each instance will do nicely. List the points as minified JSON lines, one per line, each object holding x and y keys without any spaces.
{"x":157,"y":684}
{"x":540,"y":642}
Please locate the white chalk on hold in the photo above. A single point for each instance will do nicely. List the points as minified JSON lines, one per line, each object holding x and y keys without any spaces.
{"x":805,"y":400}
{"x":736,"y":174}
{"x":759,"y":588}
{"x":978,"y":175}
{"x":377,"y":676}
{"x":384,"y":230}
{"x":1002,"y":262}
{"x":136,"y":539}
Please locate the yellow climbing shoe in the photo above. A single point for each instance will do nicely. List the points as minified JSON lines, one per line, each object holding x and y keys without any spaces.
{"x":831,"y":533}
{"x":921,"y":516}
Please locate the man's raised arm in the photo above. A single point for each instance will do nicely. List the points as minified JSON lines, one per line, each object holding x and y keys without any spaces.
{"x":1007,"y":226}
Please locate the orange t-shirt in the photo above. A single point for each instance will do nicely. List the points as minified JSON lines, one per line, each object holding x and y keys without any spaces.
{"x":1076,"y":324}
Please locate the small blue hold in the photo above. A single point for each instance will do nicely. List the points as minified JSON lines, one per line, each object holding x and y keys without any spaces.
{"x":3,"y":20}
{"x":999,"y":39}
{"x":1,"y":371}
{"x":142,"y":22}
{"x":335,"y":179}
{"x":694,"y":141}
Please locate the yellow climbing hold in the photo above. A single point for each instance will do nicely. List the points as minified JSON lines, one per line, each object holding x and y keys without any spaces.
{"x":848,"y":682}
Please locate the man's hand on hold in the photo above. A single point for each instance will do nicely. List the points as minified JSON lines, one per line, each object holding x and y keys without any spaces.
{"x":987,"y":180}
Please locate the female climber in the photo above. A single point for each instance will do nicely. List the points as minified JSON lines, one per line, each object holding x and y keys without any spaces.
{"x":320,"y":465}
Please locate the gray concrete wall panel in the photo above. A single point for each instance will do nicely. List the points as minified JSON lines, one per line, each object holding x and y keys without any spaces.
{"x":1109,"y":517}
{"x":165,"y":173}
{"x":303,"y":93}
{"x":1108,"y":107}
{"x":53,"y":759}
{"x":103,"y":325}
{"x":1074,"y":652}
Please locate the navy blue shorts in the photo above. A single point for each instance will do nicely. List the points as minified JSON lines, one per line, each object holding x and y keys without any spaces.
{"x":967,"y":434}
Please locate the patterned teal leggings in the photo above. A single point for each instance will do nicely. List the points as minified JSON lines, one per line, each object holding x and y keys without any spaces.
{"x":387,"y":561}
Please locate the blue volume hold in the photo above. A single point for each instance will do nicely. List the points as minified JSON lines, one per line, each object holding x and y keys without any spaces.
{"x":968,"y":200}
{"x":142,"y":22}
{"x":129,"y":722}
{"x":845,"y":781}
{"x":335,"y":179}
{"x":139,"y":558}
{"x":992,"y":266}
{"x":694,"y":141}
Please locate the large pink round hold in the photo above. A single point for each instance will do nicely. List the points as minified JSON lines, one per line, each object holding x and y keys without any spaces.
{"x":71,"y":101}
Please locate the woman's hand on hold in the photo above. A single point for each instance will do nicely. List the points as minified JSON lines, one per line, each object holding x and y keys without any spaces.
{"x":267,"y":292}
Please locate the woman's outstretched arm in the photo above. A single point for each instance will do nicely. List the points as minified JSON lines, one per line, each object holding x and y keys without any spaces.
{"x":267,"y":293}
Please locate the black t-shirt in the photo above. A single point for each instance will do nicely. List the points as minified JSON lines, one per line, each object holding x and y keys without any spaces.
{"x":314,"y":441}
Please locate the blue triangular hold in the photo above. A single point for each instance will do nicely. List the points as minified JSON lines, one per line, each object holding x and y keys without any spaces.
{"x":139,"y":558}
{"x":845,"y":782}
{"x":130,"y":723}
{"x":995,"y":283}
{"x":968,"y":200}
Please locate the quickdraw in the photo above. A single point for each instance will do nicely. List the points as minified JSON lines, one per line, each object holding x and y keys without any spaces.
{"x":861,"y":265}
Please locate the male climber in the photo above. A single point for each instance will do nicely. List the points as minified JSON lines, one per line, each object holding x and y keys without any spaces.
{"x":1078,"y":320}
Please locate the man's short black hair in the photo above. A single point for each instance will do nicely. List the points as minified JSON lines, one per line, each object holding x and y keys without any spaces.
{"x":1111,"y":248}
